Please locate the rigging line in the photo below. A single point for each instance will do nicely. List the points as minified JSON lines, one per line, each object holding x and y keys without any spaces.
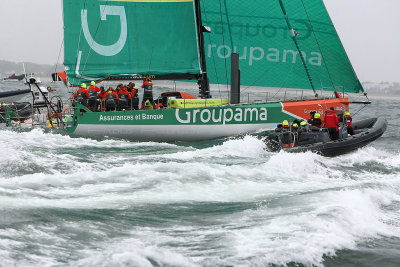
{"x":212,"y":54}
{"x":358,"y":111}
{"x":80,"y":36}
{"x":259,"y":78}
{"x":97,"y":29}
{"x":319,"y":47}
{"x":285,"y":81}
{"x":59,"y":54}
{"x":223,"y":42}
{"x":229,"y":24}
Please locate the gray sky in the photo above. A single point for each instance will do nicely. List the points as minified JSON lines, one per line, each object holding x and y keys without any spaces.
{"x":32,"y":31}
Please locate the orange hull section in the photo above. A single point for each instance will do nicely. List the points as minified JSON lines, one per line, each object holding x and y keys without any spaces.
{"x":302,"y":109}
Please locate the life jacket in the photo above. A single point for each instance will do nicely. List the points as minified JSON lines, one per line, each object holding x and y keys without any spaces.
{"x":349,"y":120}
{"x":83,"y":92}
{"x":124,"y":91}
{"x":94,"y":87}
{"x":331,"y":120}
{"x":147,"y":82}
{"x":110,"y":93}
{"x":148,"y":88}
{"x":134,"y":91}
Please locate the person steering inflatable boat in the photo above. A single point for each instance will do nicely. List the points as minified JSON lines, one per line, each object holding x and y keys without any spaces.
{"x":305,"y":138}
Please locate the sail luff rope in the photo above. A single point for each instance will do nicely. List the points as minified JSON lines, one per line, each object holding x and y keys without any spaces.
{"x":212,"y":54}
{"x":97,"y":29}
{"x":79,"y":41}
{"x":223,"y":42}
{"x":229,"y":24}
{"x":319,"y":47}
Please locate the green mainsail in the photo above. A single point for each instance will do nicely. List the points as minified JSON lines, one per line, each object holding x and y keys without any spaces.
{"x":257,"y":30}
{"x":159,"y":37}
{"x":124,"y":37}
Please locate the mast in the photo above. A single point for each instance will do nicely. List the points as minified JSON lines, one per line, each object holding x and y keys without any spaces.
{"x":294,"y":34}
{"x":204,"y":85}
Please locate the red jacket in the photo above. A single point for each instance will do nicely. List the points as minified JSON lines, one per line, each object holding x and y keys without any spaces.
{"x":81,"y":90}
{"x":94,"y":87}
{"x":123,"y":91}
{"x":147,"y":82}
{"x":101,"y":94}
{"x":110,"y":92}
{"x":331,"y":120}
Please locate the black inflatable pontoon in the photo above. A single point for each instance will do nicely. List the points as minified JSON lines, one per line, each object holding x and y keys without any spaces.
{"x":366,"y":131}
{"x":23,"y":110}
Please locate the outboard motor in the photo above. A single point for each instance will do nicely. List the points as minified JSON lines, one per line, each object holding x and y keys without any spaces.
{"x":123,"y":102}
{"x":110,"y":102}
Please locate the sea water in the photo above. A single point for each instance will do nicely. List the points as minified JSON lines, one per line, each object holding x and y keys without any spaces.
{"x":85,"y":202}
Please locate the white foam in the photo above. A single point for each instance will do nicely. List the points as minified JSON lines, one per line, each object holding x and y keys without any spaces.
{"x":132,"y":252}
{"x":311,"y":227}
{"x":308,"y":205}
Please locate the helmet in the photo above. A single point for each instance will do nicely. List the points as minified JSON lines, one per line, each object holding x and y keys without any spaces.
{"x":303,"y":123}
{"x":93,"y":83}
{"x":147,"y":103}
{"x":110,"y":92}
{"x":295,"y":125}
{"x":83,"y":85}
{"x":347,"y":113}
{"x":285,"y":123}
{"x":317,"y":115}
{"x":135,"y":87}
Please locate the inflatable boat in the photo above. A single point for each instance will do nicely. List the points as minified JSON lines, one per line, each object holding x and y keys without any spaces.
{"x":365,"y":131}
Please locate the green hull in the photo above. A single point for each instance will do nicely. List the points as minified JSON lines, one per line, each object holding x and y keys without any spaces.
{"x":190,"y":124}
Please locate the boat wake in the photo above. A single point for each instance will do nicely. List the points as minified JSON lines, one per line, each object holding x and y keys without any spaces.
{"x":112,"y":202}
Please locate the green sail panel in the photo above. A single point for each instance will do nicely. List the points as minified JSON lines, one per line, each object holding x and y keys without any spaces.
{"x":257,"y":30}
{"x":125,"y":37}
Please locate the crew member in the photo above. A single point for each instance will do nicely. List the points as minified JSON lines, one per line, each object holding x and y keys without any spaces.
{"x":132,"y":88}
{"x":303,"y":126}
{"x":148,"y":92}
{"x":286,"y":135}
{"x":110,"y":91}
{"x":81,"y":95}
{"x":332,"y":123}
{"x":94,"y":87}
{"x":124,"y":91}
{"x":348,"y":120}
{"x":82,"y":91}
{"x":102,"y":93}
{"x":316,"y":121}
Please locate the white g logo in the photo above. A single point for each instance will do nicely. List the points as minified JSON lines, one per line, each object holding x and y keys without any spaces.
{"x":107,"y":50}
